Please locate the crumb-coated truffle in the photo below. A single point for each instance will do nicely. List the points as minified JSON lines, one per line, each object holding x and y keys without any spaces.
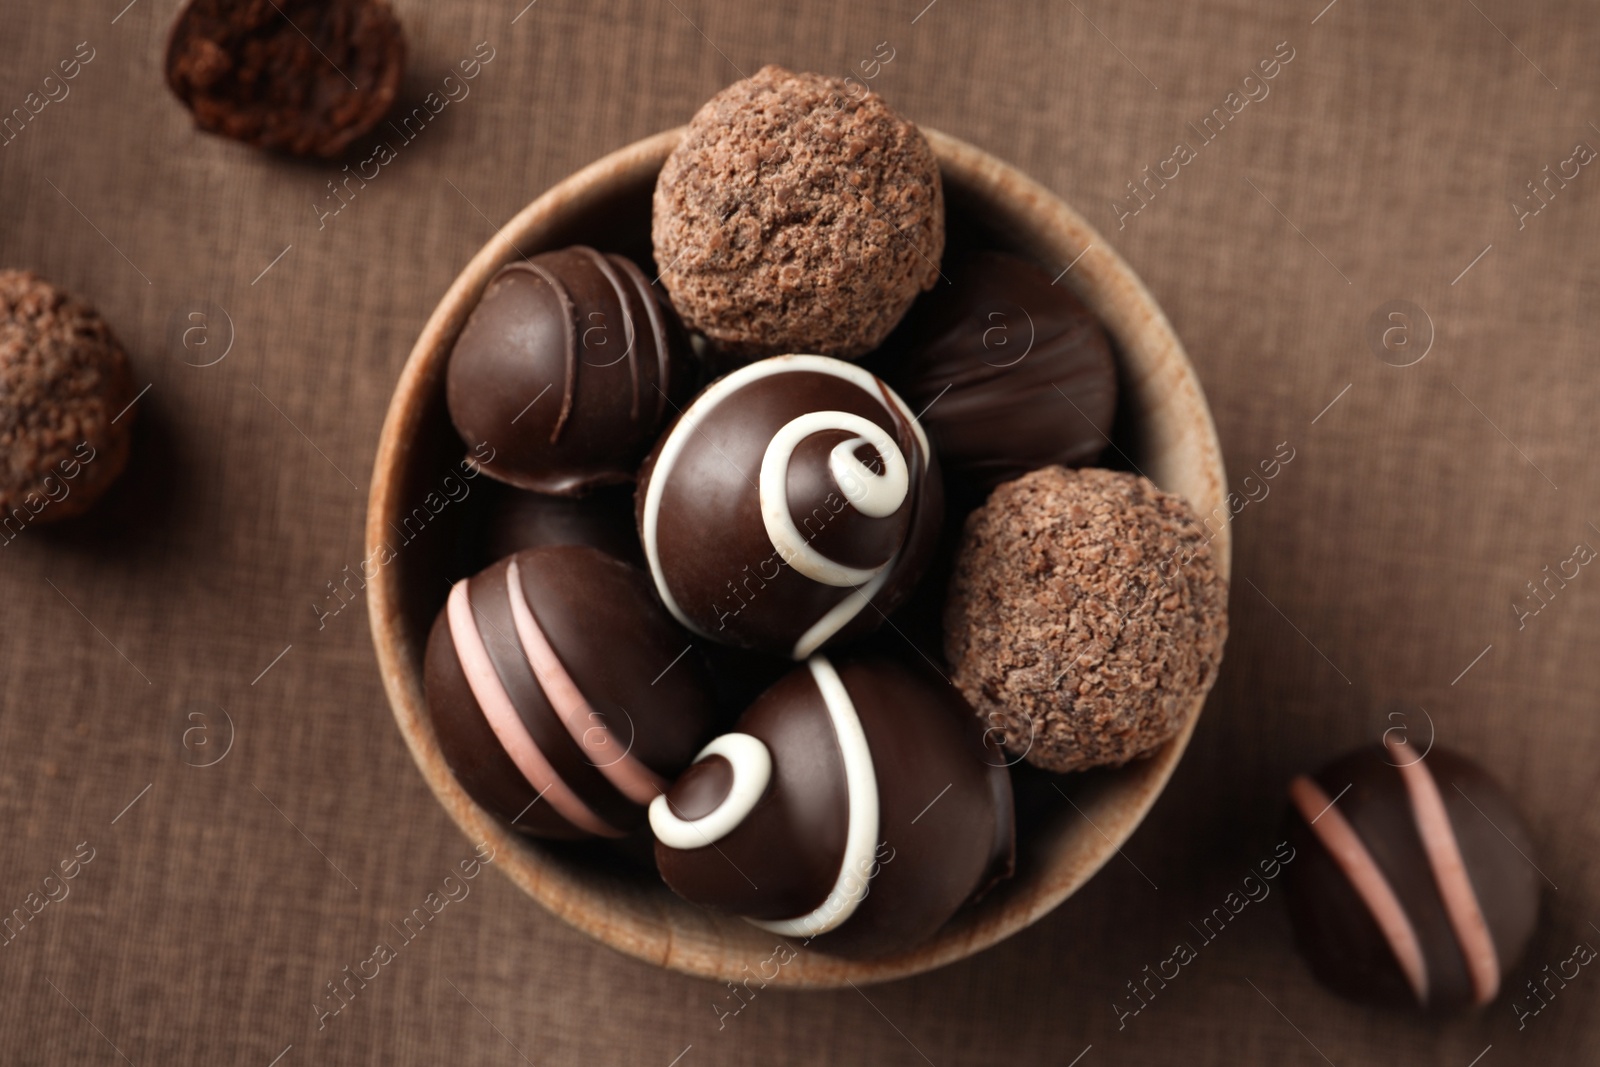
{"x":63,"y":380}
{"x":300,"y":76}
{"x":795,"y":217}
{"x":1085,"y":616}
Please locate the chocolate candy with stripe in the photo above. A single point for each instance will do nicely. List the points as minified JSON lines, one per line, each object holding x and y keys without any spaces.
{"x":1412,"y":882}
{"x":567,"y":369}
{"x":854,"y":809}
{"x":563,"y":698}
{"x":792,"y":505}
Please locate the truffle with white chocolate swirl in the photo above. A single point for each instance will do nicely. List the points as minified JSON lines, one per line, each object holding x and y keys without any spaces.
{"x":855,"y":808}
{"x":553,"y":676}
{"x":792,"y":505}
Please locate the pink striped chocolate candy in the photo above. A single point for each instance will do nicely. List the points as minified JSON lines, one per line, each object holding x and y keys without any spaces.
{"x":563,"y":696}
{"x":1413,"y":882}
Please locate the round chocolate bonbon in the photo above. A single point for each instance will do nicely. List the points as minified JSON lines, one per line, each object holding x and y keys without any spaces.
{"x":1412,"y":882}
{"x":797,"y":214}
{"x":568,"y":368}
{"x":1012,"y":373}
{"x":857,"y":807}
{"x":793,"y":503}
{"x":560,"y":692}
{"x":66,"y":404}
{"x":1085,"y":617}
{"x":301,"y":76}
{"x":516,"y":519}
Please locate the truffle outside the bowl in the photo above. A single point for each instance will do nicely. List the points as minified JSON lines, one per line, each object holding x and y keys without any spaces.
{"x":1164,"y":429}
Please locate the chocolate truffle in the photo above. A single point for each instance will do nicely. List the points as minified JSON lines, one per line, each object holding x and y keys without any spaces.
{"x":1411,"y":883}
{"x":65,"y":388}
{"x":517,"y":519}
{"x":568,"y":367}
{"x":1085,"y":616}
{"x":300,"y":76}
{"x":553,"y":676}
{"x":1010,"y":372}
{"x":792,"y":504}
{"x":855,"y":808}
{"x":794,"y":217}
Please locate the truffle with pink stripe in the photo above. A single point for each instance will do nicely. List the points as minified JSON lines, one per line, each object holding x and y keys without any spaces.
{"x":1418,"y":886}
{"x":563,"y":697}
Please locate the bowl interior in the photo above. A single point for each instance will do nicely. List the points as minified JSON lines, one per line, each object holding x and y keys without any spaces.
{"x":415,"y":532}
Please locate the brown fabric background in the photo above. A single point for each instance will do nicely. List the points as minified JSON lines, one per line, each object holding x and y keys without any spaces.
{"x":1385,"y":559}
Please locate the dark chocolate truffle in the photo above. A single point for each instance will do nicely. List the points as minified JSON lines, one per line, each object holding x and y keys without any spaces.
{"x":553,"y":676}
{"x":796,"y":217}
{"x":568,"y":367}
{"x":300,"y":76}
{"x":793,"y":504}
{"x":1010,"y":372}
{"x":65,"y":387}
{"x":1412,"y":882}
{"x":1085,"y":616}
{"x":855,"y":808}
{"x":517,"y":519}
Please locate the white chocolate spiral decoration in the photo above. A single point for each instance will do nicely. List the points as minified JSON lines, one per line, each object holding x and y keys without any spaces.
{"x":839,"y":617}
{"x":874,"y":495}
{"x":752,"y":772}
{"x":861,"y":833}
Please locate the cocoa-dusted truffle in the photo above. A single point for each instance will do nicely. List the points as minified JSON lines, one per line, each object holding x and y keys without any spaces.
{"x":64,"y":380}
{"x":794,"y":217}
{"x":1085,"y":616}
{"x":300,"y":76}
